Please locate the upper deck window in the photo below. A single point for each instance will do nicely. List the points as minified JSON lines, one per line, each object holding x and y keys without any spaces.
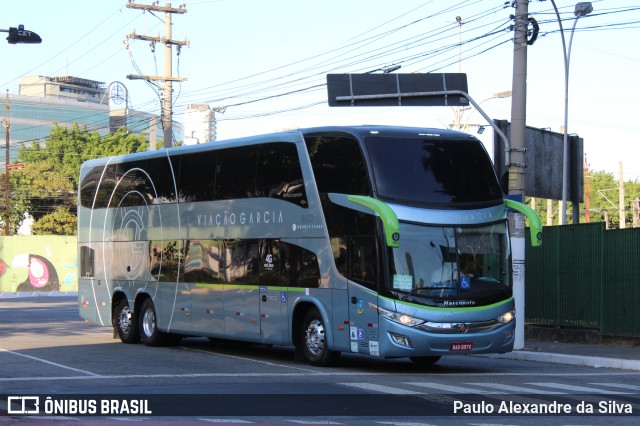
{"x":338,"y":165}
{"x":427,"y":172}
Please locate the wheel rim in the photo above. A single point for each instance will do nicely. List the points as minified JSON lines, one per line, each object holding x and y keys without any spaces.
{"x":124,"y":320}
{"x":149,"y":322}
{"x":314,"y":337}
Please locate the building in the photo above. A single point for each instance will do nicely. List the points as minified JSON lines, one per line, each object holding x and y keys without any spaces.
{"x":43,"y":102}
{"x":66,"y":87}
{"x":199,"y":124}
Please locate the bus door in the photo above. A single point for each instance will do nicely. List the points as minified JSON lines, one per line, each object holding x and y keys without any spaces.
{"x":361,"y":269}
{"x":273,"y":294}
{"x":240,"y":266}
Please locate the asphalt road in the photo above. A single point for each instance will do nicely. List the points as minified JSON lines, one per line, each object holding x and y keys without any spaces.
{"x":47,"y":350}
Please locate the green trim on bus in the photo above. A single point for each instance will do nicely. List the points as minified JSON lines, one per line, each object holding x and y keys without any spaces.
{"x":388,"y":216}
{"x":249,"y":287}
{"x":447,"y":309}
{"x":535,"y":224}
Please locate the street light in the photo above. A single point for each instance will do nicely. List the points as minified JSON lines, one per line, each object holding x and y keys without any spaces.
{"x":16,"y":36}
{"x":582,"y":9}
{"x":497,"y":95}
{"x":20,"y":35}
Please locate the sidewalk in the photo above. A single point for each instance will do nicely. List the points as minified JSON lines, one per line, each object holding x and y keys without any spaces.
{"x":618,"y":354}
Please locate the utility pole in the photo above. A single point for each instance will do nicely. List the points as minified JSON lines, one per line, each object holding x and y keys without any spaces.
{"x":167,"y":111}
{"x":458,"y":110}
{"x":7,"y":184}
{"x":587,"y":191}
{"x":517,"y":163}
{"x":623,"y":223}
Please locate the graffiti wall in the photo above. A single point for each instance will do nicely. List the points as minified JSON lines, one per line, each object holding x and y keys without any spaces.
{"x":46,"y":263}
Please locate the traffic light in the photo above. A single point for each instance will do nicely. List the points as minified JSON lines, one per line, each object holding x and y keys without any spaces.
{"x":20,"y":35}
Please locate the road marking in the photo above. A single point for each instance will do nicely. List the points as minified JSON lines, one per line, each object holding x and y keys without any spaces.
{"x":514,"y":389}
{"x":381,"y":388}
{"x":578,"y":389}
{"x":442,"y":387}
{"x":225,"y":421}
{"x":250,"y":359}
{"x":405,"y":424}
{"x":48,"y":362}
{"x":618,"y":385}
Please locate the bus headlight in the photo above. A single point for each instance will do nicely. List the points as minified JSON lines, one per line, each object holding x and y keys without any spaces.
{"x":403,"y":319}
{"x":507,"y":317}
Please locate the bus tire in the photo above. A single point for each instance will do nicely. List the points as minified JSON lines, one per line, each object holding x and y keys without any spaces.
{"x":125,"y":321}
{"x":314,"y":342}
{"x":425,"y":360}
{"x":148,"y":323}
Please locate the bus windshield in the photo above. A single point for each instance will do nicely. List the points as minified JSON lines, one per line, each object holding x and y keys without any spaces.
{"x":432,"y":172}
{"x":451,"y":266}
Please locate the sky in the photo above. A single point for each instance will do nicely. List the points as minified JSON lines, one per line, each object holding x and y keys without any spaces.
{"x":264,"y":63}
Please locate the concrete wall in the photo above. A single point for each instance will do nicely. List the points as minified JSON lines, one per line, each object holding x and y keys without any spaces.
{"x":42,"y":264}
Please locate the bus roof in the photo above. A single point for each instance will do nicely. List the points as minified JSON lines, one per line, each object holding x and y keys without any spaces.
{"x":293,"y":135}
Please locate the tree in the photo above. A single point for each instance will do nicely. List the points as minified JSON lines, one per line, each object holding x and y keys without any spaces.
{"x":604,"y":201}
{"x":60,"y":222}
{"x":46,"y":188}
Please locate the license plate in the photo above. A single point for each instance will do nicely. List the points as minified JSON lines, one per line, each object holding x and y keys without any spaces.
{"x":461,"y":346}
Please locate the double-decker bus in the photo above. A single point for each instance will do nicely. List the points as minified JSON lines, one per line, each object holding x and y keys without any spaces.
{"x":386,"y":241}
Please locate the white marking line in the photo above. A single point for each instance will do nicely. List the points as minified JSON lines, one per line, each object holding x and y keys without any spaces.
{"x":48,"y":362}
{"x":273,"y":364}
{"x":444,"y":388}
{"x":619,"y":386}
{"x":514,"y":389}
{"x":176,"y":376}
{"x":225,"y":421}
{"x":577,"y":389}
{"x":381,"y":388}
{"x":314,"y":422}
{"x":405,"y":424}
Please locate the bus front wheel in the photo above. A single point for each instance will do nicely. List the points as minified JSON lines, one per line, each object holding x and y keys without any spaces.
{"x":149,"y":332}
{"x":126,"y":322}
{"x":314,"y":340}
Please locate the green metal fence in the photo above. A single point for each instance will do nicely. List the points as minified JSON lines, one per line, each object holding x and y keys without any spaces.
{"x":585,"y":277}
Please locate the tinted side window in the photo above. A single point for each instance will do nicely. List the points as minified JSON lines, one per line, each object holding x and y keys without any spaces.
{"x":236,"y":172}
{"x":166,"y":260}
{"x":270,"y":265}
{"x":299,"y":267}
{"x":338,"y":165}
{"x":162,"y":178}
{"x":89,"y":185}
{"x":107,"y":185}
{"x":134,"y":183}
{"x":196,"y":176}
{"x":239,"y":261}
{"x":279,"y":173}
{"x":354,"y":243}
{"x":87,"y":261}
{"x":202,"y":262}
{"x":362,"y":260}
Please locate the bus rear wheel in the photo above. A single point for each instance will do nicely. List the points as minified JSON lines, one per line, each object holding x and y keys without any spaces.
{"x":149,"y":332}
{"x":314,"y":340}
{"x":126,"y":322}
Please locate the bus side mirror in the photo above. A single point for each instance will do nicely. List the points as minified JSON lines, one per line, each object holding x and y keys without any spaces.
{"x":535,"y":224}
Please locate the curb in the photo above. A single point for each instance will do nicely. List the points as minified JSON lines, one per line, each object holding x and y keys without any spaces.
{"x":586,"y":361}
